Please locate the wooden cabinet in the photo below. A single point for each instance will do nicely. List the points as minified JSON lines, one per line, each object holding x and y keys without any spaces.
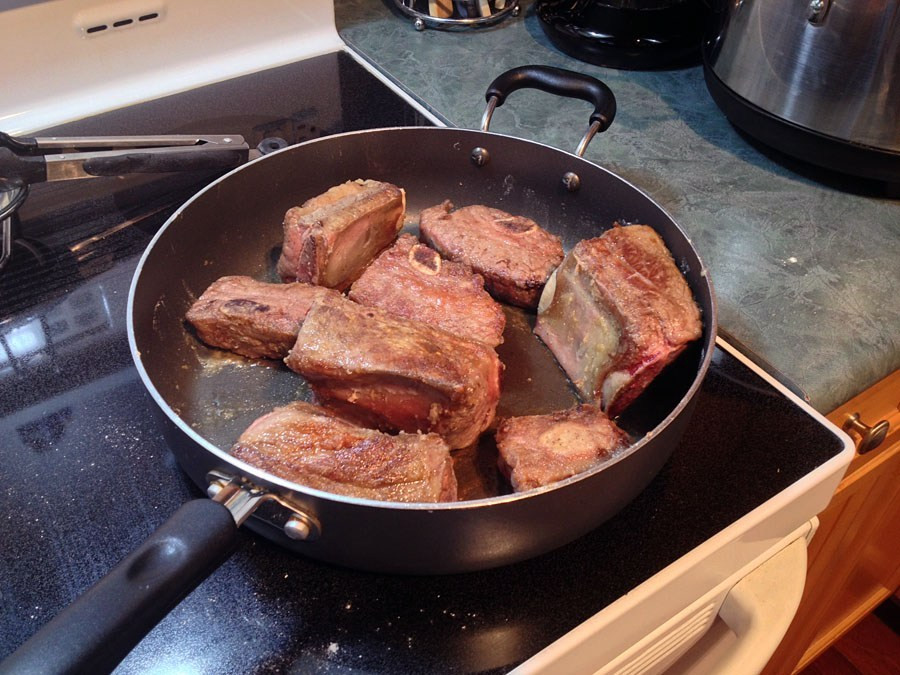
{"x":854,"y":559}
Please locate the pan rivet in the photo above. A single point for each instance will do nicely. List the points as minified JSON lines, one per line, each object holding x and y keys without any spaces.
{"x":571,"y":181}
{"x":480,"y":156}
{"x":215,"y":488}
{"x":299,"y":527}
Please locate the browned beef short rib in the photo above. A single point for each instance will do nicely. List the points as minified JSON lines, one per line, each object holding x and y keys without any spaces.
{"x":331,"y":238}
{"x":411,"y":280}
{"x":312,"y":446}
{"x":538,"y":450}
{"x":252,"y":318}
{"x":513,"y":254}
{"x":617,"y":311}
{"x":403,"y":374}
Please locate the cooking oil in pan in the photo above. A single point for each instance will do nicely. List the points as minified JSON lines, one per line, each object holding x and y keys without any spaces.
{"x":533,"y":383}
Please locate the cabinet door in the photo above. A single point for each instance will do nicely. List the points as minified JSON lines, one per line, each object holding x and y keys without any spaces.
{"x":854,"y":559}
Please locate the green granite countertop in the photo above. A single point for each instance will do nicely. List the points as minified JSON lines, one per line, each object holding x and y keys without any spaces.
{"x":806,"y":267}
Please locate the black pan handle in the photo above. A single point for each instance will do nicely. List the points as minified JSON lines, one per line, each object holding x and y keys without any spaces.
{"x":97,"y":631}
{"x":554,"y":81}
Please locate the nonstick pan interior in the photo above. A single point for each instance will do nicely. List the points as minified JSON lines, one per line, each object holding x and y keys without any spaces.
{"x":234,"y":227}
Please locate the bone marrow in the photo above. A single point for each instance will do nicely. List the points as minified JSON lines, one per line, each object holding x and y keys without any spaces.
{"x":537,"y":450}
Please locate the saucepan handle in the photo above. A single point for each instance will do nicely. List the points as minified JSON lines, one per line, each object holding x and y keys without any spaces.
{"x":555,"y":81}
{"x":97,"y":631}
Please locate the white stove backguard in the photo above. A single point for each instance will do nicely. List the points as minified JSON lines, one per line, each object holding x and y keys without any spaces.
{"x":66,"y":59}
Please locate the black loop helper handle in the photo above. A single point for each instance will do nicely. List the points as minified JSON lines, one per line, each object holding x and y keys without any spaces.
{"x":560,"y":82}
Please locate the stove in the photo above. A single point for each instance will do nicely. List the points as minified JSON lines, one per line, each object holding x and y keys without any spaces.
{"x":88,"y":475}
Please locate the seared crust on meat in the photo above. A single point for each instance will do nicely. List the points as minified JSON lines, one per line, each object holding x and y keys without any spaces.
{"x":330,"y":239}
{"x":411,"y":280}
{"x":514,"y":254}
{"x":405,"y":374}
{"x":537,"y":450}
{"x":617,"y":312}
{"x":312,"y":446}
{"x":252,"y":318}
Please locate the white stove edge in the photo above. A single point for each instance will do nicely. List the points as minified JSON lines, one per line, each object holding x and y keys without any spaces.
{"x":65,"y":67}
{"x":648,"y":629}
{"x":365,"y":63}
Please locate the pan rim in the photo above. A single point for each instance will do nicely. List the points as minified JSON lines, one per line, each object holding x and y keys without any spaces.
{"x":275,"y":483}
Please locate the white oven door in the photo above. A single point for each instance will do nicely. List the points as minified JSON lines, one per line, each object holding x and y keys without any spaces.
{"x":732,"y":627}
{"x":750,"y":623}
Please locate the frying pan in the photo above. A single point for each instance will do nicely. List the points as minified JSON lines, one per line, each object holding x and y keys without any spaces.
{"x":206,"y":399}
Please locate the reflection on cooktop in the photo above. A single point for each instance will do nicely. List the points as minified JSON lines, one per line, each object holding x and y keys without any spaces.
{"x":69,"y":231}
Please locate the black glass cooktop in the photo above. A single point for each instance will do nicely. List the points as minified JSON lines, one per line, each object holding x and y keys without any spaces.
{"x":73,"y":230}
{"x":87,"y":474}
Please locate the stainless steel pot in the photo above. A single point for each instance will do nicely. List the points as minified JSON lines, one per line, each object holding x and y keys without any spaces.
{"x":818,"y":79}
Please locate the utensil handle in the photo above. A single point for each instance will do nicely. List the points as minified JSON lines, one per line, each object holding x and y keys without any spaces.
{"x":560,"y":82}
{"x":24,"y":161}
{"x":17,"y":171}
{"x":97,"y":631}
{"x":156,"y":160}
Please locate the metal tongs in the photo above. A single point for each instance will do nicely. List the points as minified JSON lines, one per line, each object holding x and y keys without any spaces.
{"x":25,"y":161}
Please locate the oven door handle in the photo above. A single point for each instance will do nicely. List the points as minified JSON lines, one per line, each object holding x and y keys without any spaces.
{"x":760,"y":608}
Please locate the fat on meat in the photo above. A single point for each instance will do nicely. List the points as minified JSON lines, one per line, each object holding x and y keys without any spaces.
{"x":411,"y":280}
{"x":537,"y":450}
{"x":252,"y":318}
{"x":401,"y":374}
{"x":330,"y":239}
{"x":313,"y":446}
{"x":617,"y":311}
{"x":514,"y":254}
